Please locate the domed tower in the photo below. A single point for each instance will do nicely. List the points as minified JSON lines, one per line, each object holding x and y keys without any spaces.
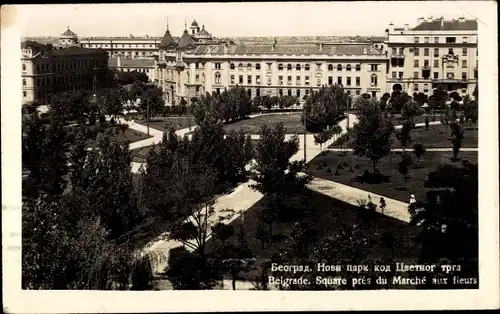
{"x":194,"y":28}
{"x":68,"y":38}
{"x":203,"y":36}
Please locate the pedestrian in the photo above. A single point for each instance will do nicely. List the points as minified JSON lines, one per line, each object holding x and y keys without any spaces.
{"x":412,"y":199}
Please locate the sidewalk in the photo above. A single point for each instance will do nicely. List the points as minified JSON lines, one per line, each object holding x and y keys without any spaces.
{"x":443,"y":149}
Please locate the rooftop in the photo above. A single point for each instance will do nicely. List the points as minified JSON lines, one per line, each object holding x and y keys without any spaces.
{"x":132,"y":63}
{"x":75,"y":50}
{"x":453,"y":25}
{"x":337,"y":49}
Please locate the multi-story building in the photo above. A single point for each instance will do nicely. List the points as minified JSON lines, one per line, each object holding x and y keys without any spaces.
{"x":437,"y":52}
{"x":187,"y":69}
{"x":48,"y":69}
{"x":144,"y":65}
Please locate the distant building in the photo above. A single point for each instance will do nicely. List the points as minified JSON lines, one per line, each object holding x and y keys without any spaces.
{"x":437,"y":52}
{"x":145,"y":65}
{"x":48,"y":69}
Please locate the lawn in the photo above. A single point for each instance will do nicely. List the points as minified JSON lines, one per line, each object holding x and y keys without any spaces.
{"x":115,"y":133}
{"x":329,"y":216}
{"x":438,"y":136}
{"x":291,"y":122}
{"x":162,"y":123}
{"x":325,"y":165}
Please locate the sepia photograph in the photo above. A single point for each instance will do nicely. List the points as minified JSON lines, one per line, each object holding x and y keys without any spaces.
{"x":286,"y":147}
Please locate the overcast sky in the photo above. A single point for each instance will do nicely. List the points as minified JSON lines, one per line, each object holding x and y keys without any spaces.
{"x":238,"y":19}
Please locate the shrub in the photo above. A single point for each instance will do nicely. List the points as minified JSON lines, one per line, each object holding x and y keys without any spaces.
{"x":329,"y":170}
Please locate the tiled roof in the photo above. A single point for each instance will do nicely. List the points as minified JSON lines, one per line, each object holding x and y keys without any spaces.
{"x":186,"y":41}
{"x":167,"y":41}
{"x":132,"y":63}
{"x":376,"y":38}
{"x":75,"y":50}
{"x":68,"y":33}
{"x":303,"y":49}
{"x":31,"y":44}
{"x":453,"y":25}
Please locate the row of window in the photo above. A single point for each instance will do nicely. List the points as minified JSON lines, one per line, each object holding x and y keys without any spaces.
{"x":298,"y":80}
{"x":436,"y":64}
{"x":448,"y":40}
{"x":416,"y":52}
{"x":426,"y":75}
{"x":67,"y":65}
{"x":298,"y":67}
{"x":46,"y":81}
{"x":118,"y":46}
{"x":290,"y":92}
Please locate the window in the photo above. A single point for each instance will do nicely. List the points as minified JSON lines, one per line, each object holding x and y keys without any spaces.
{"x":339,"y":67}
{"x":450,"y":40}
{"x":297,"y":67}
{"x":231,"y":66}
{"x":257,"y":91}
{"x":330,"y":80}
{"x":426,"y":88}
{"x":249,"y":91}
{"x":415,"y":87}
{"x":415,"y":63}
{"x":281,"y":92}
{"x":289,"y":80}
{"x":426,"y":40}
{"x":401,"y":50}
{"x":289,"y":92}
{"x":257,"y":79}
{"x":464,"y":52}
{"x":358,"y":93}
{"x":394,"y":74}
{"x":416,"y":40}
{"x":464,"y":76}
{"x":436,"y":52}
{"x":217,"y":91}
{"x":330,"y":67}
{"x":358,"y":67}
{"x":374,"y":94}
{"x":268,"y":81}
{"x":298,"y":93}
{"x":426,"y":63}
{"x":289,"y":67}
{"x":318,"y":66}
{"x":24,"y":82}
{"x":348,"y":92}
{"x":197,"y":65}
{"x":297,"y":80}
{"x":280,"y":80}
{"x":358,"y":81}
{"x":339,"y":80}
{"x":249,"y":66}
{"x":24,"y":94}
{"x":400,"y":75}
{"x":464,"y":40}
{"x":24,"y":67}
{"x":217,"y":76}
{"x":394,"y":52}
{"x":307,"y":92}
{"x":218,"y":67}
{"x":450,"y":51}
{"x":416,"y":52}
{"x":436,"y":63}
{"x":450,"y":75}
{"x":436,"y":40}
{"x":197,"y":77}
{"x":240,"y":66}
{"x":374,"y":67}
{"x":307,"y":80}
{"x":436,"y":75}
{"x":280,"y":67}
{"x":348,"y":81}
{"x":249,"y":79}
{"x":348,"y":67}
{"x":307,"y":67}
{"x":257,"y":67}
{"x":426,"y":52}
{"x":464,"y":63}
{"x":240,"y":79}
{"x":415,"y":74}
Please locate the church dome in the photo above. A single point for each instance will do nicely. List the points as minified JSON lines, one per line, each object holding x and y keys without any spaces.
{"x":68,"y":34}
{"x":194,"y":24}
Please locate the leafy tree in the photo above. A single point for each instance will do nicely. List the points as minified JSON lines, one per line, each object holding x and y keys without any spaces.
{"x":371,"y":136}
{"x":458,"y":136}
{"x":410,"y":110}
{"x":367,"y":211}
{"x":322,"y":138}
{"x":257,"y":103}
{"x":404,"y":166}
{"x":384,"y":100}
{"x":471,"y":110}
{"x":267,"y":103}
{"x":404,"y":135}
{"x":323,"y":107}
{"x":418,"y":150}
{"x":420,"y":98}
{"x":398,"y":100}
{"x":125,"y":78}
{"x":427,"y":123}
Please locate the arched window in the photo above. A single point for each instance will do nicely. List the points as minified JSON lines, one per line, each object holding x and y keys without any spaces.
{"x":257,"y":66}
{"x":426,"y":88}
{"x":374,"y":80}
{"x":297,"y":67}
{"x":217,"y":78}
{"x":240,"y":66}
{"x":358,"y":67}
{"x":339,"y":67}
{"x":289,"y":92}
{"x":231,"y":66}
{"x":280,"y":67}
{"x":281,"y":92}
{"x":289,"y":67}
{"x":330,"y":67}
{"x":307,"y":67}
{"x":24,"y":82}
{"x":298,"y":92}
{"x":249,"y":92}
{"x":249,"y":66}
{"x":348,"y":67}
{"x":415,"y":87}
{"x":24,"y":67}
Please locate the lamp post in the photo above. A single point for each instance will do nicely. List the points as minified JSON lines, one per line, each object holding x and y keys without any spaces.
{"x":305,"y":131}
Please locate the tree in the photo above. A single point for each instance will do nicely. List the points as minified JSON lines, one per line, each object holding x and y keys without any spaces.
{"x":323,"y":107}
{"x":449,"y":215}
{"x":266,"y":102}
{"x":383,"y":101}
{"x":126,"y":78}
{"x":257,"y":103}
{"x":458,"y":136}
{"x":322,"y":137}
{"x":410,"y":110}
{"x":427,"y":123}
{"x":418,"y":150}
{"x":371,"y":136}
{"x":404,"y":135}
{"x":367,"y":211}
{"x":404,"y":166}
{"x":420,"y":98}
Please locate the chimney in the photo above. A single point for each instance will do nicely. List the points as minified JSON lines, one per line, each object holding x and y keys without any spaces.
{"x":461,"y":19}
{"x":226,"y":46}
{"x":430,"y":19}
{"x":442,"y":23}
{"x":321,"y":46}
{"x":365,"y":51}
{"x":420,"y":20}
{"x":391,"y":27}
{"x":407,"y":27}
{"x":386,"y":34}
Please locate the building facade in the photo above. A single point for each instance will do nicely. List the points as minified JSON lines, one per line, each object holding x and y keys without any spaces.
{"x":48,"y":69}
{"x":435,"y":53}
{"x":144,"y":65}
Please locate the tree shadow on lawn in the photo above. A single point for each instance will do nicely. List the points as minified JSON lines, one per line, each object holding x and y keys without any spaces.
{"x":329,"y":216}
{"x":372,"y":178}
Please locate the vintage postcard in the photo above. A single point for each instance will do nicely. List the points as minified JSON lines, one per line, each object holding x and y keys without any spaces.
{"x":327,"y":153}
